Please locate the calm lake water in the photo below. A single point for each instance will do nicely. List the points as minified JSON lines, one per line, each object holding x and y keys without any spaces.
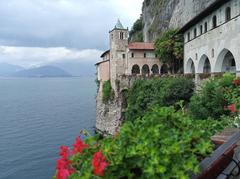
{"x":37,"y":115}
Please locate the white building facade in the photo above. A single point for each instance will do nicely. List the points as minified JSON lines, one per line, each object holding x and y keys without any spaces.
{"x":212,"y":39}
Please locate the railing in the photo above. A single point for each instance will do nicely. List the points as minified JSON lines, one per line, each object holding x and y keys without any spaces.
{"x":188,"y":75}
{"x":222,"y":162}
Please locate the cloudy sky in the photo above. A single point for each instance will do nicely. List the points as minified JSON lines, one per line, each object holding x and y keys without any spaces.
{"x":38,"y":32}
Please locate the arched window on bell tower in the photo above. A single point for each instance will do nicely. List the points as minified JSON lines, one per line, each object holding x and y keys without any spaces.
{"x":121,"y":35}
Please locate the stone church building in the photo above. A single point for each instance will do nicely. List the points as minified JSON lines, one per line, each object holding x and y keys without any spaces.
{"x":212,"y":39}
{"x":126,"y":58}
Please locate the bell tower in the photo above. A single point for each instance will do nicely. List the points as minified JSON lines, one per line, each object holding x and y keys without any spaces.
{"x":118,"y":37}
{"x":118,"y":52}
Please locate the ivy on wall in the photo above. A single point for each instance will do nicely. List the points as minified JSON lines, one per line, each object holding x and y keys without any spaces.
{"x":169,"y":49}
{"x":107,"y":92}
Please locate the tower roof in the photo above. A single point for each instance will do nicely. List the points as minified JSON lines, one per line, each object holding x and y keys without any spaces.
{"x":119,"y":25}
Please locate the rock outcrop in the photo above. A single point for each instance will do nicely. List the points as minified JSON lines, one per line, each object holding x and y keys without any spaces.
{"x":159,"y":15}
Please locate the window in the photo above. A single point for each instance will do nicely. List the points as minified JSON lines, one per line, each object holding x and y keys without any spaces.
{"x":201,"y":30}
{"x":205,"y":27}
{"x":228,"y":14}
{"x":188,"y":36}
{"x":195,"y":33}
{"x":212,"y":53}
{"x":233,"y":64}
{"x":132,"y":55}
{"x":196,"y":56}
{"x":214,"y":22}
{"x":145,"y":55}
{"x":121,"y":35}
{"x":124,"y":56}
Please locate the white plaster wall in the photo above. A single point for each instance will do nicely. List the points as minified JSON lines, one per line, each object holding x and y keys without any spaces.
{"x":225,"y":36}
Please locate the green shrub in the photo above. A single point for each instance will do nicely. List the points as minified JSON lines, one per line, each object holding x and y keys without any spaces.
{"x":158,"y":91}
{"x":108,"y":93}
{"x":163,"y":144}
{"x":209,"y":101}
{"x":226,"y":80}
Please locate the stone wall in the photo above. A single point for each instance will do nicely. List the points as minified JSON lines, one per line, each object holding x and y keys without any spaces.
{"x":109,"y":116}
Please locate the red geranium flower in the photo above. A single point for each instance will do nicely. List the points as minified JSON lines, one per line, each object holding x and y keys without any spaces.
{"x":64,"y":152}
{"x":99,"y":163}
{"x":64,"y":168}
{"x":236,"y":81}
{"x":231,"y":107}
{"x":79,"y":146}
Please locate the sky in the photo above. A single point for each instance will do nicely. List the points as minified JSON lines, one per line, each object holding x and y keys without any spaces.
{"x":39,"y":32}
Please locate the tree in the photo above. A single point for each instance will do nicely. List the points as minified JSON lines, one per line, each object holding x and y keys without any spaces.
{"x":136,"y":34}
{"x":169,"y":49}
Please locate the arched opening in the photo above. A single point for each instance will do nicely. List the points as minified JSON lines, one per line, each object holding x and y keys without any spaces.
{"x":190,"y":67}
{"x":229,"y":64}
{"x":164,"y":69}
{"x":228,"y":14}
{"x":155,"y":69}
{"x":207,"y":66}
{"x":204,"y":65}
{"x":214,"y":22}
{"x":135,"y":70}
{"x":145,"y":70}
{"x":225,"y":62}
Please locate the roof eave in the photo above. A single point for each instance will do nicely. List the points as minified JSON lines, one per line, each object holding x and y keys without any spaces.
{"x":203,"y":14}
{"x":101,"y":62}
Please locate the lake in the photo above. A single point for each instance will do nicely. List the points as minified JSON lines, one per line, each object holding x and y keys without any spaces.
{"x":37,"y":115}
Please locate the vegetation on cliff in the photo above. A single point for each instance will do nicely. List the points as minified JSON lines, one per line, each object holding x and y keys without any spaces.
{"x":145,"y":94}
{"x":107,"y":91}
{"x":136,"y":34}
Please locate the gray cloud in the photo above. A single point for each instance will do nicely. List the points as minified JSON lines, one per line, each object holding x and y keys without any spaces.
{"x":41,"y":32}
{"x":63,"y":23}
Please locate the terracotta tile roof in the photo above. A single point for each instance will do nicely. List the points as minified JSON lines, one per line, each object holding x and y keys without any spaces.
{"x":98,"y":63}
{"x":141,"y":46}
{"x":104,"y":53}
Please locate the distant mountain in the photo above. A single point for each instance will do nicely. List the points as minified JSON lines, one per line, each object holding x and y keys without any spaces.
{"x":8,"y":69}
{"x":76,"y":68}
{"x":44,"y":71}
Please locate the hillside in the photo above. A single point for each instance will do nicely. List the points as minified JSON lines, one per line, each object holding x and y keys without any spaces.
{"x":159,"y":15}
{"x":44,"y":71}
{"x":8,"y":69}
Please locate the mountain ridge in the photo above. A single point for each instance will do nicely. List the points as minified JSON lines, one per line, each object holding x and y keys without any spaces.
{"x":41,"y":72}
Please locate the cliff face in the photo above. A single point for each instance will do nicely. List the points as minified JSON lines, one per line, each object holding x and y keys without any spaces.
{"x":159,"y":15}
